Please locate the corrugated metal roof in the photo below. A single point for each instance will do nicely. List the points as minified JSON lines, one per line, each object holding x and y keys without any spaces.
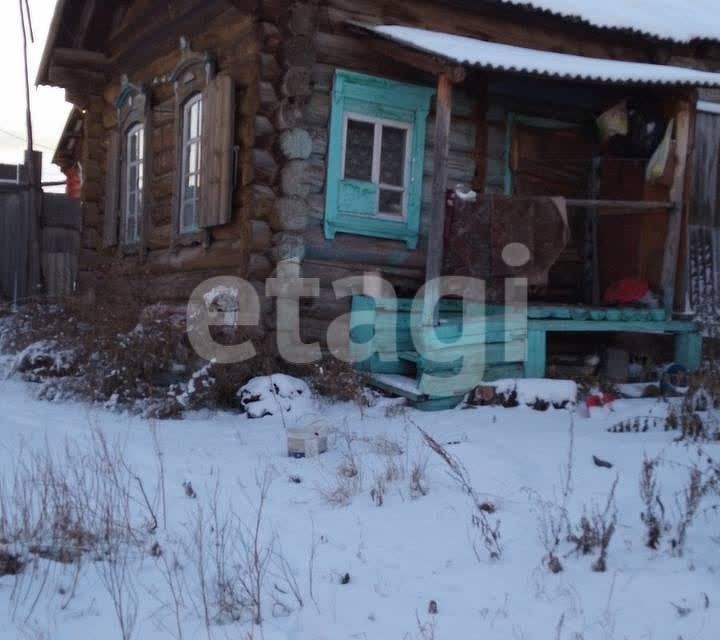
{"x":676,"y":20}
{"x":503,"y":57}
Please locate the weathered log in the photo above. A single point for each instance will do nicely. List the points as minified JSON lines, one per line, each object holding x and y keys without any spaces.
{"x":260,"y":201}
{"x":292,"y":179}
{"x":268,"y":97}
{"x":264,"y":130}
{"x":303,"y":19}
{"x":315,"y":174}
{"x":319,"y":138}
{"x":288,"y":246}
{"x":296,"y":82}
{"x":289,"y":214}
{"x":260,"y":235}
{"x":288,"y":115}
{"x":317,"y":110}
{"x":295,"y":144}
{"x":259,"y":266}
{"x":265,"y":168}
{"x":270,"y":36}
{"x":298,"y":51}
{"x":269,"y":68}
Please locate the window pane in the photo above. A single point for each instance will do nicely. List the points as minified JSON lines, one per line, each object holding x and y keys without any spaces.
{"x":132,"y":177}
{"x":133,"y":147}
{"x":140,"y":142}
{"x":359,"y":150}
{"x":140,"y":177}
{"x":194,"y":116}
{"x":131,"y":204}
{"x":192,"y":158}
{"x":188,"y":219}
{"x":392,"y":156}
{"x":391,"y":202}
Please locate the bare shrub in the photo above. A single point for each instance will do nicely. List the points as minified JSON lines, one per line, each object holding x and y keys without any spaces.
{"x":84,"y":498}
{"x":688,"y":505}
{"x":377,"y":493}
{"x":349,"y":473}
{"x":595,"y":532}
{"x":418,"y":481}
{"x":10,"y":563}
{"x":552,"y":515}
{"x":337,"y":381}
{"x":425,"y":630}
{"x":489,"y":533}
{"x":233,"y":561}
{"x":698,"y":418}
{"x":653,"y":515}
{"x":113,"y":350}
{"x":171,"y":571}
{"x":116,"y":575}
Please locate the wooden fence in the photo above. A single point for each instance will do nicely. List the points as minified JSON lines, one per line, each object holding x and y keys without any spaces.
{"x":39,"y":243}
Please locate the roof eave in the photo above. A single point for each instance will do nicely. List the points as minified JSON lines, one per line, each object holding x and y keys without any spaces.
{"x":43,"y":71}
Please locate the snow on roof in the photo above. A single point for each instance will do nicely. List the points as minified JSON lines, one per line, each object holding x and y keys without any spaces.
{"x":503,"y":57}
{"x":705,"y":106}
{"x":677,"y":20}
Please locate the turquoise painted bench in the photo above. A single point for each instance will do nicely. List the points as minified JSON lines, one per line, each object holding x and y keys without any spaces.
{"x":688,"y":338}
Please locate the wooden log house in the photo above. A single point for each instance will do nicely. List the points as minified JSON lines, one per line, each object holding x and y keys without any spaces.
{"x":219,"y":137}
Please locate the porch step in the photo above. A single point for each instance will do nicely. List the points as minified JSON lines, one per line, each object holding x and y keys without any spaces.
{"x":406,"y":387}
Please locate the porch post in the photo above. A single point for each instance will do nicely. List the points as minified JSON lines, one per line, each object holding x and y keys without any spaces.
{"x":436,"y":232}
{"x":684,"y":132}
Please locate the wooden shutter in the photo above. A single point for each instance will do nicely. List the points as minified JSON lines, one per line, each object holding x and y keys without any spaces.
{"x":216,"y":169}
{"x":112,"y":191}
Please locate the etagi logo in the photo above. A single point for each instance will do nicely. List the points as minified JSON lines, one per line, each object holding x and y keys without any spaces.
{"x":229,"y":301}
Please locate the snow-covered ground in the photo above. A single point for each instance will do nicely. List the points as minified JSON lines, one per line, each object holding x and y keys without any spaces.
{"x":400,"y":556}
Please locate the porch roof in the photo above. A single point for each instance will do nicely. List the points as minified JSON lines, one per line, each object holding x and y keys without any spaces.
{"x":472,"y":52}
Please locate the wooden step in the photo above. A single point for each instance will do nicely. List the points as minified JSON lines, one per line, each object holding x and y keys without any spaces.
{"x":398,"y":385}
{"x":405,"y":387}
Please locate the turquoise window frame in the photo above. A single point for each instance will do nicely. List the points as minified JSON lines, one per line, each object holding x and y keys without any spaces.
{"x":381,"y":99}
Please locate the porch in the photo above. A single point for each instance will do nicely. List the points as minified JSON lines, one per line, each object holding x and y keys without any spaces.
{"x":435,"y":367}
{"x":589,"y":204}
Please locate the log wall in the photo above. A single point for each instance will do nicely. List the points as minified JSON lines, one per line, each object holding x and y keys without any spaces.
{"x":283,"y":56}
{"x":231,"y":37}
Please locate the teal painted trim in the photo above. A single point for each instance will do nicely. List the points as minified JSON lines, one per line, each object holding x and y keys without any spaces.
{"x":355,"y":196}
{"x":376,"y":89}
{"x":614,"y":326}
{"x":536,"y":354}
{"x":688,"y":350}
{"x":347,"y":206}
{"x":530,"y":121}
{"x":438,"y":404}
{"x":362,"y":331}
{"x":332,"y":184}
{"x":379,"y":110}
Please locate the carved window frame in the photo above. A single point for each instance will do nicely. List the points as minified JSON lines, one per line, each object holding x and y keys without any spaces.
{"x":352,"y":206}
{"x":133,"y":106}
{"x":190,"y":78}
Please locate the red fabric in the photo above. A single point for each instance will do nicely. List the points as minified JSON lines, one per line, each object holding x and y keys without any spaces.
{"x":608,"y":398}
{"x":627,"y":291}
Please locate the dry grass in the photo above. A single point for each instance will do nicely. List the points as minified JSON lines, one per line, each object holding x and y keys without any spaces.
{"x":489,"y":534}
